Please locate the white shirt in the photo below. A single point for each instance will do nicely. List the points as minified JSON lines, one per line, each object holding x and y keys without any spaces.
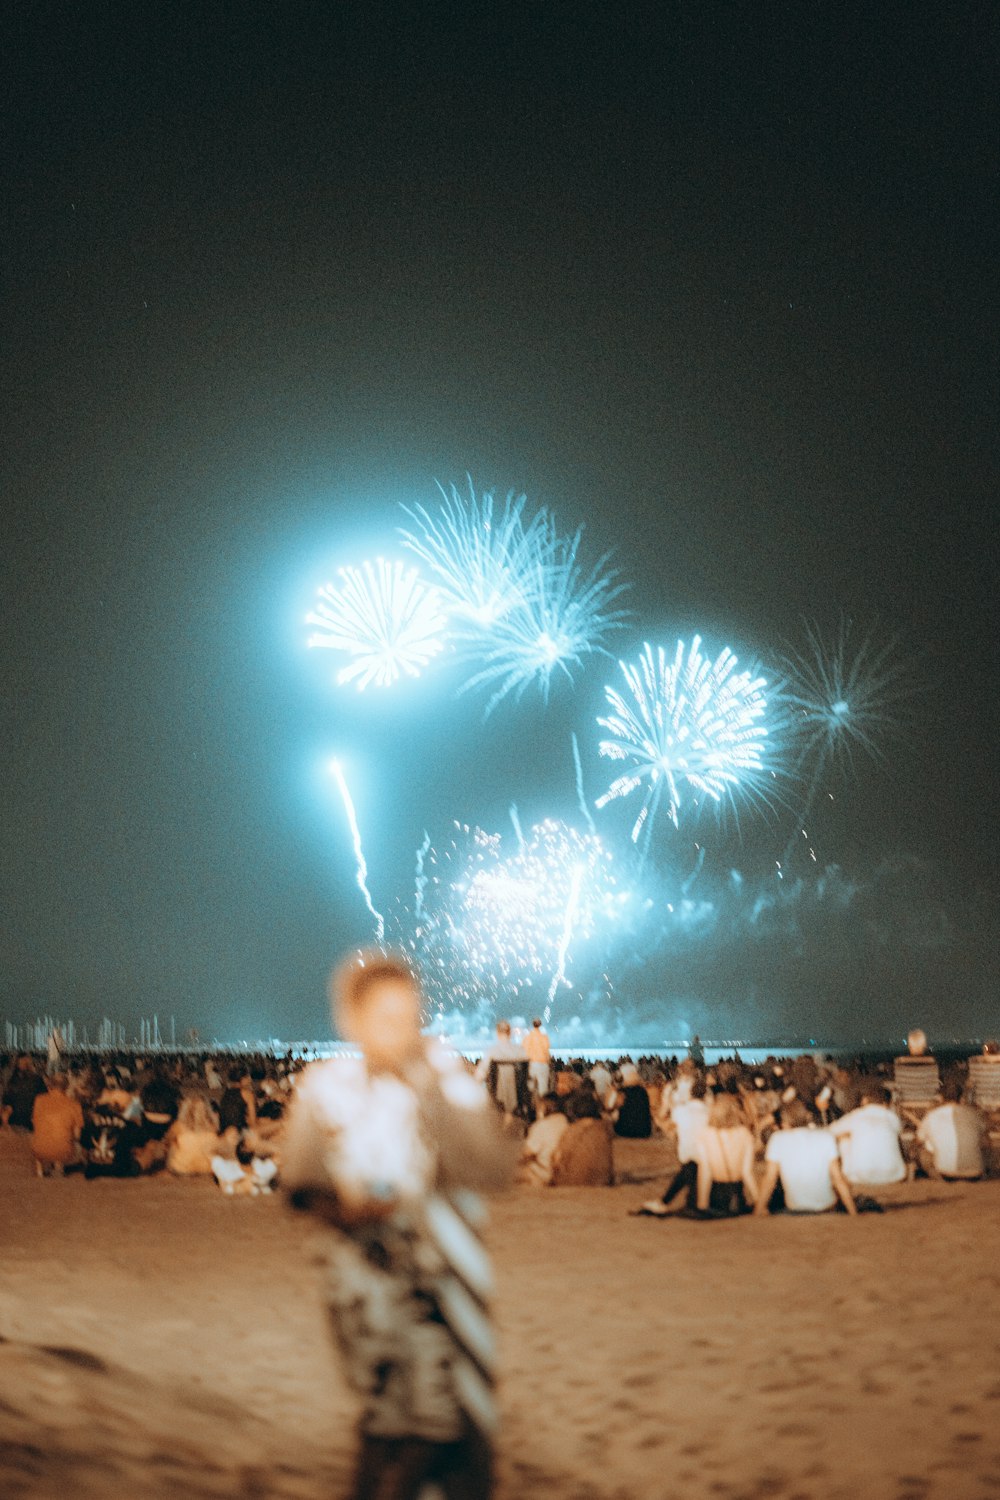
{"x":953,"y":1134}
{"x":869,"y":1145}
{"x":540,"y":1144}
{"x":690,"y":1119}
{"x":803,"y":1157}
{"x":504,"y":1049}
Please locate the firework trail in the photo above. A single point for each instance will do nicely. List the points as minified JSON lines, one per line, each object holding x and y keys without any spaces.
{"x":559,"y":977}
{"x":579,"y":784}
{"x":688,"y":726}
{"x":362,"y":868}
{"x":516,"y":824}
{"x":420,"y":879}
{"x":384,"y":617}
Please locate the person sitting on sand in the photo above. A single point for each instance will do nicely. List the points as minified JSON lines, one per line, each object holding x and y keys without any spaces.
{"x":583,"y":1158}
{"x":193,"y":1139}
{"x":868,"y":1138}
{"x":724,"y":1156}
{"x":237,"y":1107}
{"x":634,"y":1120}
{"x":56,"y":1122}
{"x":690,"y":1119}
{"x":950,"y":1137}
{"x":801,"y":1162}
{"x":541,"y":1141}
{"x":24,"y":1086}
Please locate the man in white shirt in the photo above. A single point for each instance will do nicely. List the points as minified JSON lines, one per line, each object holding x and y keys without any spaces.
{"x":506,"y":1053}
{"x":804,"y":1159}
{"x":950,"y":1137}
{"x":868,"y":1138}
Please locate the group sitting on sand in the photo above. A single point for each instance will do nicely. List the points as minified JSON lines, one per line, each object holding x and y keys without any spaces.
{"x":792,"y":1135}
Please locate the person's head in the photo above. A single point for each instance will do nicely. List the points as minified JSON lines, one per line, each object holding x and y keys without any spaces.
{"x":916,"y":1042}
{"x":698,"y":1088}
{"x":991,"y":1047}
{"x":550,"y":1104}
{"x":582,"y":1104}
{"x":727,"y":1112}
{"x":630,"y":1076}
{"x":503,"y":1030}
{"x":951,"y":1089}
{"x":874,"y":1091}
{"x":376,"y":1003}
{"x":794,"y":1115}
{"x":537,"y":1023}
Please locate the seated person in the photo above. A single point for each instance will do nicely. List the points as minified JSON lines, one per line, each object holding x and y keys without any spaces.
{"x":541,"y":1141}
{"x":160,"y":1100}
{"x":724,"y":1156}
{"x":24,"y":1086}
{"x":690,"y":1119}
{"x":868,"y":1138}
{"x":56,"y":1121}
{"x":950,"y":1137}
{"x":802,"y":1160}
{"x":984,"y":1077}
{"x":634,"y":1121}
{"x":193,"y":1139}
{"x":916,"y":1078}
{"x":583,"y":1157}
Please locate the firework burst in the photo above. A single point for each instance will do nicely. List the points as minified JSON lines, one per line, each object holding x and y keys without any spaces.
{"x":382,"y":616}
{"x":688,"y":727}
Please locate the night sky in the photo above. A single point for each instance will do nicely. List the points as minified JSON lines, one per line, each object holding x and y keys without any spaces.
{"x":718,"y":282}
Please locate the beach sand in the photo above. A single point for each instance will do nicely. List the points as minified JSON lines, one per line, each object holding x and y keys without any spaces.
{"x":162,"y":1340}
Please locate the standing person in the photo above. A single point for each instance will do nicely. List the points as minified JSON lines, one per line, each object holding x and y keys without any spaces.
{"x":539,"y":1054}
{"x":383,"y":1149}
{"x":503,"y":1067}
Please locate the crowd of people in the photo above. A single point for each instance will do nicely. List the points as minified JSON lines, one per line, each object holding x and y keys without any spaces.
{"x":799,"y":1133}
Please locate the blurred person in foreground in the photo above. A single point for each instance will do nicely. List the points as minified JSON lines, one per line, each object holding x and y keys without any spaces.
{"x":383,"y":1149}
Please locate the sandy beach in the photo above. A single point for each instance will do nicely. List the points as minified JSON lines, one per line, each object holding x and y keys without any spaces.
{"x":162,"y":1340}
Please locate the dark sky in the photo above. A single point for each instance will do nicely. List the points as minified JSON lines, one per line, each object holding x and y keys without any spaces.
{"x":717,"y":281}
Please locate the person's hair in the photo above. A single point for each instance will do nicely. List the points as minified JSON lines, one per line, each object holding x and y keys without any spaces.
{"x":698,"y":1089}
{"x":794,"y":1114}
{"x":582,"y":1105}
{"x":726,"y":1112}
{"x":951,"y":1089}
{"x":537,"y":1021}
{"x":874,"y":1091}
{"x":551,"y":1104}
{"x":353,"y":980}
{"x":503,"y":1028}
